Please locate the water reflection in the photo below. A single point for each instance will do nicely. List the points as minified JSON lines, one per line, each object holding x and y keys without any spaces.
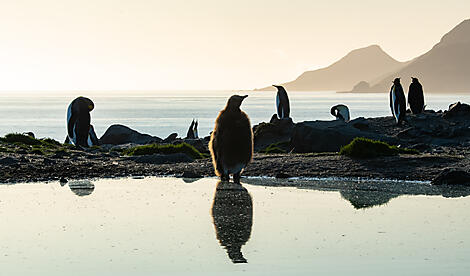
{"x":367,"y":193}
{"x":232,"y":213}
{"x":366,"y":199}
{"x":82,"y":187}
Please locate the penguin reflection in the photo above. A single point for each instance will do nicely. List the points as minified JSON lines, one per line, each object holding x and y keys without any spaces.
{"x":232,"y":212}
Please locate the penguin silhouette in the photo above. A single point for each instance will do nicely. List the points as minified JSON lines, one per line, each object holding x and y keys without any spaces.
{"x":397,"y":101}
{"x":196,"y":134}
{"x":232,"y":213}
{"x":231,"y":143}
{"x":282,"y":103}
{"x":79,"y":130}
{"x":341,"y":112}
{"x":190,"y":133}
{"x":416,"y":96}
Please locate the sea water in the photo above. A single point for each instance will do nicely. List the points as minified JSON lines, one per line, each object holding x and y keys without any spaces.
{"x":169,"y":226}
{"x":164,"y":112}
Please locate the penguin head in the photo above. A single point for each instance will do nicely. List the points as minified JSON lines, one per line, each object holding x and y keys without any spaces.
{"x":235,"y":101}
{"x":333,"y":110}
{"x":396,"y":81}
{"x":414,"y":80}
{"x":279,"y":88}
{"x":86,"y":103}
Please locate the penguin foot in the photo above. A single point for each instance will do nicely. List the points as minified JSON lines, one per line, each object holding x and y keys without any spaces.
{"x":225,"y":177}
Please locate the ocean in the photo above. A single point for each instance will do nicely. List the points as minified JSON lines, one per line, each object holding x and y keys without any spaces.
{"x":161,"y":113}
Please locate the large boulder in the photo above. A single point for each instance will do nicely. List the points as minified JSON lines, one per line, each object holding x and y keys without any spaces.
{"x":457,"y":110}
{"x":119,"y":134}
{"x":327,"y":136}
{"x":275,"y":131}
{"x":452,"y":177}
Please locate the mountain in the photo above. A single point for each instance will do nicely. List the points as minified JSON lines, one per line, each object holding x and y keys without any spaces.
{"x":369,"y":63}
{"x":445,"y":68}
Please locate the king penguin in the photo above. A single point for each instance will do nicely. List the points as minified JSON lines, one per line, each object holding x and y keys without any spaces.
{"x":231,"y":143}
{"x":79,"y":130}
{"x":416,"y":96}
{"x":341,"y":112}
{"x":282,"y":103}
{"x":397,"y":101}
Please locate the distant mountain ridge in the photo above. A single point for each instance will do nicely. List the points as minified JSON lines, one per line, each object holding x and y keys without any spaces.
{"x":445,"y":68}
{"x":367,"y":63}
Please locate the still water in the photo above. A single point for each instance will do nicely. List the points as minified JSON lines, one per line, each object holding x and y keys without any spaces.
{"x":162,"y":113}
{"x":169,"y":226}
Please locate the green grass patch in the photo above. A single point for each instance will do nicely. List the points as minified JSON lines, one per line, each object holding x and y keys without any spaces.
{"x":26,"y":143}
{"x":164,"y":149}
{"x":367,"y":148}
{"x":276,"y":148}
{"x":21,"y":139}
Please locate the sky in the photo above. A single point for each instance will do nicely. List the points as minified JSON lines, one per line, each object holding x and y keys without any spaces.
{"x":203,"y":44}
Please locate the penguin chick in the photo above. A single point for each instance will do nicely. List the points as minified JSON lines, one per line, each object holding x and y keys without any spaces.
{"x":231,"y":143}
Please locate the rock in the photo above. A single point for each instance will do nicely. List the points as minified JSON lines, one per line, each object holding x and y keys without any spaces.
{"x":360,"y":123}
{"x":6,"y":161}
{"x":327,"y":136}
{"x":282,"y":175}
{"x":63,"y":181}
{"x":452,"y":177}
{"x":172,"y":137}
{"x":457,"y":109}
{"x":200,"y":144}
{"x":277,"y":131}
{"x":119,"y":134}
{"x":190,"y":174}
{"x":162,"y":158}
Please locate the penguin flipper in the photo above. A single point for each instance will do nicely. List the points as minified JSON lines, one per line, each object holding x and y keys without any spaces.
{"x":71,"y":123}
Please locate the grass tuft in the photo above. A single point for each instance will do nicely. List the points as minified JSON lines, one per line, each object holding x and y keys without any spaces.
{"x":164,"y":149}
{"x":276,"y":148}
{"x":362,"y":147}
{"x":20,"y":138}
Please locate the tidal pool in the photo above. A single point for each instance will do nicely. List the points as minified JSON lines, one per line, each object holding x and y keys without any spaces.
{"x":171,"y":226}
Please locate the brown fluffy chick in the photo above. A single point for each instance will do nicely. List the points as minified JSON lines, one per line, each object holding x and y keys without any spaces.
{"x":231,"y":143}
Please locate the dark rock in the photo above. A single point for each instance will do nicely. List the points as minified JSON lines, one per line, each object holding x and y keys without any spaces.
{"x":6,"y":161}
{"x":63,"y":181}
{"x":162,"y":158}
{"x":452,"y":177}
{"x":277,"y":131}
{"x":360,"y":123}
{"x":190,"y":174}
{"x":327,"y":136}
{"x":457,"y":109}
{"x":200,"y":144}
{"x":282,"y":175}
{"x":172,"y":137}
{"x":119,"y":134}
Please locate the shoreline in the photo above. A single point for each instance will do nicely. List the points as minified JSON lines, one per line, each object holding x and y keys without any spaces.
{"x":26,"y":168}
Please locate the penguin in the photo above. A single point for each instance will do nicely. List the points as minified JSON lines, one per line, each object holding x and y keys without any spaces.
{"x":232,"y":214}
{"x":341,"y":112}
{"x":190,"y":133}
{"x":231,"y":142}
{"x":397,"y":101}
{"x":282,"y":103}
{"x":416,"y":96}
{"x":196,"y":135}
{"x":79,"y":130}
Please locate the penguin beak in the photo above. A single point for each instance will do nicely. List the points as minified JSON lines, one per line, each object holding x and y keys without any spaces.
{"x":243,"y":97}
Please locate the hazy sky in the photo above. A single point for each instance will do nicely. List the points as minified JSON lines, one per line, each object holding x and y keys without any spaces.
{"x":202,"y":44}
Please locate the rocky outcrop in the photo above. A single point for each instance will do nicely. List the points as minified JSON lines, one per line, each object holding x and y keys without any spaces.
{"x":276,"y":131}
{"x":119,"y":134}
{"x":424,"y":132}
{"x":327,"y":136}
{"x":452,"y":177}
